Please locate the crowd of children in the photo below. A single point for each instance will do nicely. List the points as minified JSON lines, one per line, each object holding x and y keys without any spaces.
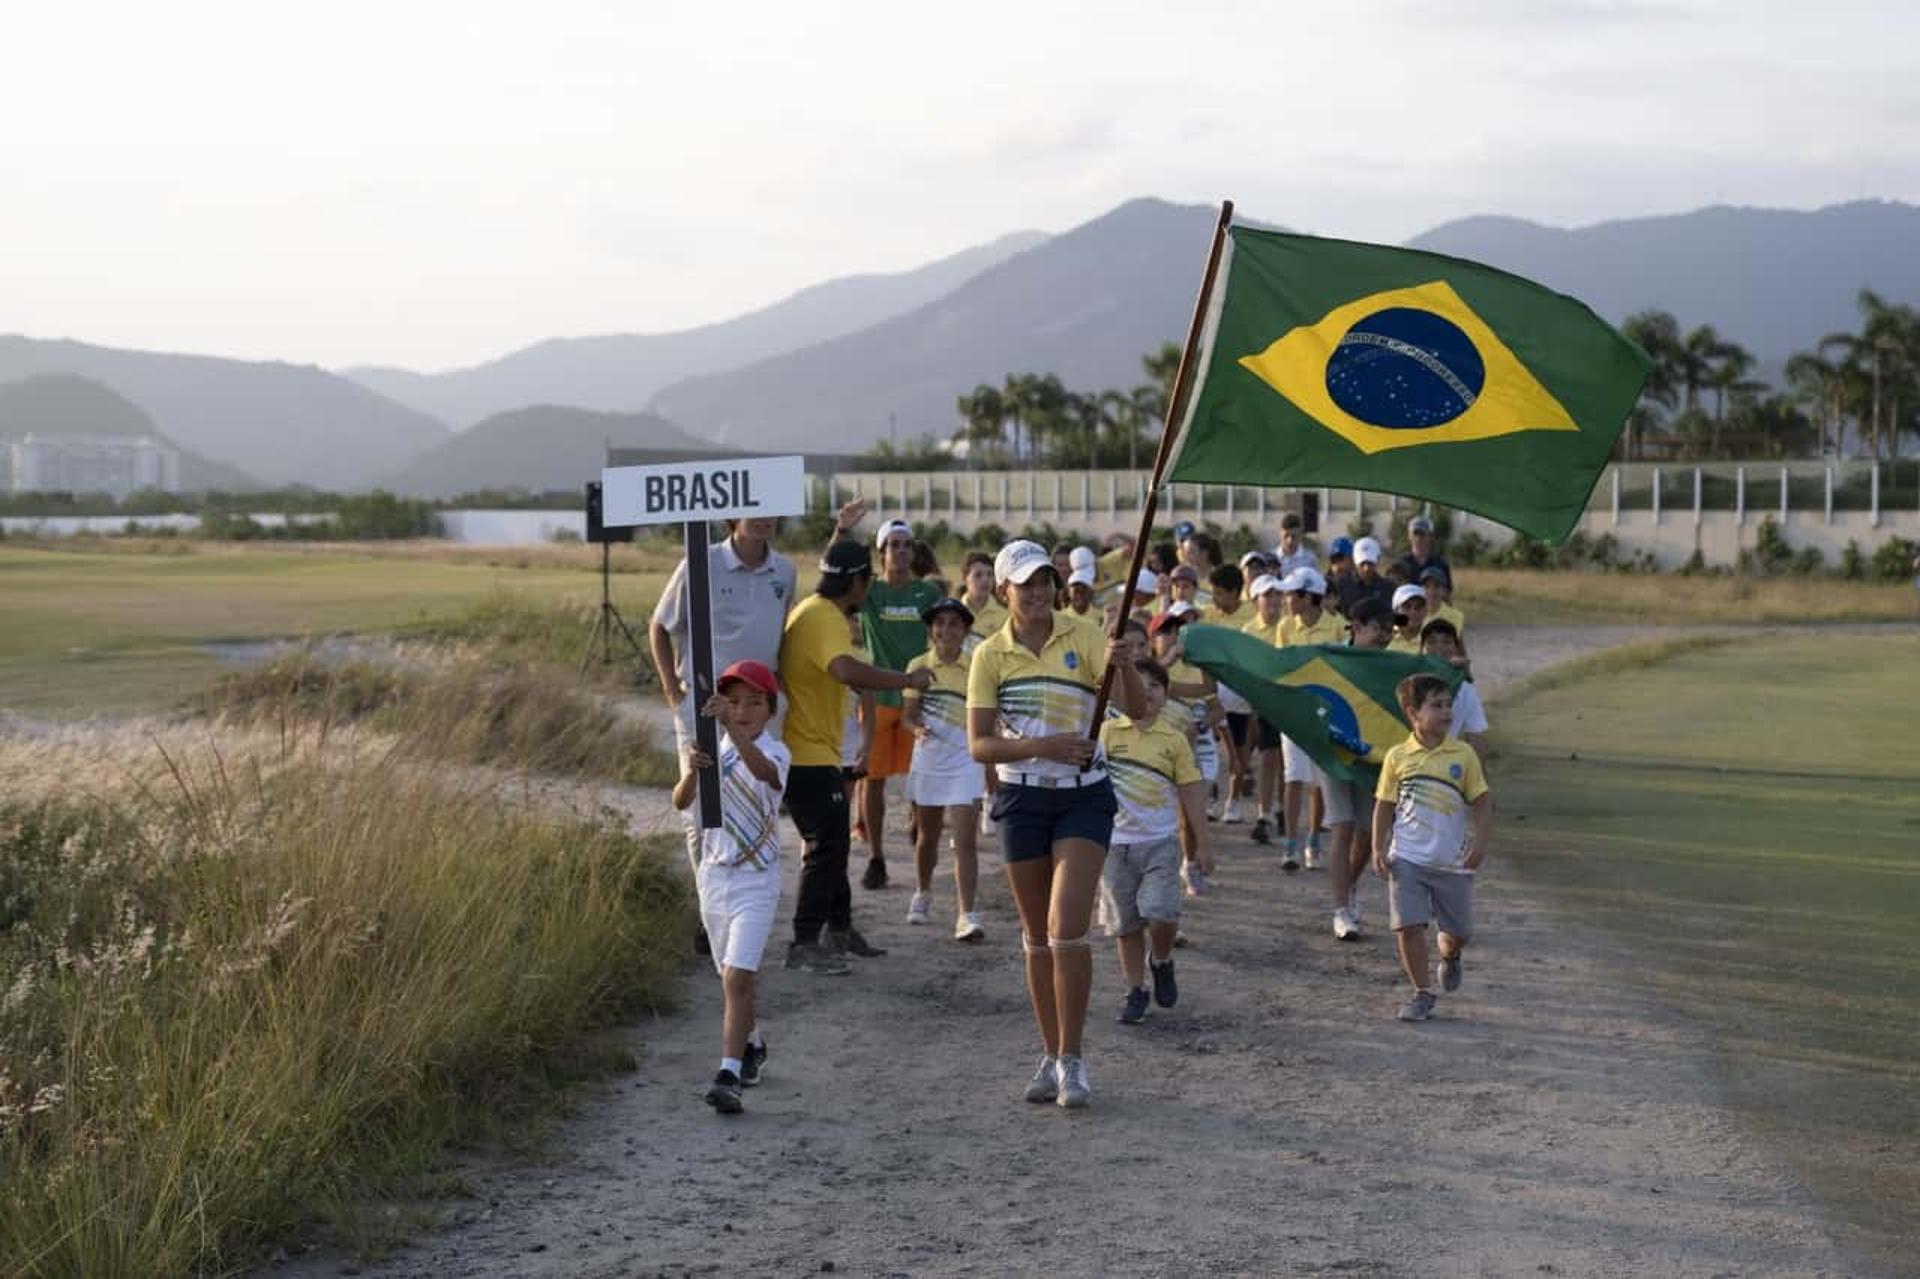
{"x":984,"y":697}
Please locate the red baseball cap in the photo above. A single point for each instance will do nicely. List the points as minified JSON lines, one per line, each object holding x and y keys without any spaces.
{"x":753,"y":673}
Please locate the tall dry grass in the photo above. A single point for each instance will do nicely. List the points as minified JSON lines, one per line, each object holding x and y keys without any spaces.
{"x":521,"y":717}
{"x":238,"y":986}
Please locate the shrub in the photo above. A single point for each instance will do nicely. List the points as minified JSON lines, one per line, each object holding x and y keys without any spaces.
{"x":1853,"y":561}
{"x":1893,"y":559}
{"x":1770,"y":553}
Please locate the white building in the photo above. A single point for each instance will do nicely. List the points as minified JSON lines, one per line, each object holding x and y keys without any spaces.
{"x":113,"y":464}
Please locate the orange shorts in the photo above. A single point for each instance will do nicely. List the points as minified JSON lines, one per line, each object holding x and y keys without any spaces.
{"x":892,"y":753}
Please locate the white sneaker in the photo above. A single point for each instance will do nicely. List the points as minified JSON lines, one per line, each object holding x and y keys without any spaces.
{"x":1353,"y":905}
{"x":1213,"y":809}
{"x":967,"y":928}
{"x":917,"y":908}
{"x":1075,"y":1089}
{"x":1232,"y":816}
{"x":1045,"y":1084}
{"x":1345,"y":927}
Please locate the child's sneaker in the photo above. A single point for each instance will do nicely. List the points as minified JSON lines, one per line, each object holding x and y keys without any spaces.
{"x":967,"y":928}
{"x":1345,"y":927}
{"x":756,"y":1057}
{"x":1353,"y":904}
{"x":1312,"y":858}
{"x":811,"y":957}
{"x":1450,"y":973}
{"x":1075,"y":1089}
{"x":1213,"y":809}
{"x":1232,"y":816}
{"x":1045,"y":1084}
{"x":1134,"y":1011}
{"x":875,"y":877}
{"x":1262,"y":832}
{"x":1419,"y":1008}
{"x":1166,"y":992}
{"x":723,"y":1094}
{"x":1197,"y":885}
{"x":1290,"y":859}
{"x":917,"y":908}
{"x":1179,"y":937}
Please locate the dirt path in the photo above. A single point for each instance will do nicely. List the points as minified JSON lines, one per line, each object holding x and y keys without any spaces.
{"x":1277,"y":1122}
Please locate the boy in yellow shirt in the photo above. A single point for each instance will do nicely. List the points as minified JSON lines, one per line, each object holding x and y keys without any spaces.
{"x":1431,"y":816}
{"x":1309,"y":621}
{"x":1269,"y":611}
{"x":944,"y":783}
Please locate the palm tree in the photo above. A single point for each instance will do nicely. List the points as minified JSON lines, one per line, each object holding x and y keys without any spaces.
{"x":1695,"y":361}
{"x":984,"y":410}
{"x":1658,"y":334}
{"x":1821,"y":382}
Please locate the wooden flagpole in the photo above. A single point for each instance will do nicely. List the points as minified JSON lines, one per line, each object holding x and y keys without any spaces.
{"x":1176,"y":408}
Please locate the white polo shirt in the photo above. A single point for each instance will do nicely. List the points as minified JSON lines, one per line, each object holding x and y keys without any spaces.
{"x":749,"y":607}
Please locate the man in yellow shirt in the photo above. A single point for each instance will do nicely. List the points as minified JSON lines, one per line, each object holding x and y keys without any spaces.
{"x":817,"y":666}
{"x":1309,"y":621}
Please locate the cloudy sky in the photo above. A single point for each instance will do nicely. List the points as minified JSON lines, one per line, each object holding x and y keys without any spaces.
{"x":433,"y":184}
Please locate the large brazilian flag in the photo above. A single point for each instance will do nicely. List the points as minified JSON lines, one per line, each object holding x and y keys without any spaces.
{"x":1329,"y":363}
{"x":1337,"y":704}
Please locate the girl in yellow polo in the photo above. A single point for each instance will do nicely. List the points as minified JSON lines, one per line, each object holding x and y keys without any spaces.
{"x":1030,"y":696}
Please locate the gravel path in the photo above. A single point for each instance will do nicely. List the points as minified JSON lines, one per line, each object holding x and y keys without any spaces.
{"x":1279,"y":1121}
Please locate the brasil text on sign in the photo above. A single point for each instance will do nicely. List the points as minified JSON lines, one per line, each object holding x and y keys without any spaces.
{"x":729,"y":489}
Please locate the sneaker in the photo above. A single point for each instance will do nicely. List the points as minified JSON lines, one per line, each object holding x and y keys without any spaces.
{"x":1419,"y":1008}
{"x":848,"y":941}
{"x":1134,"y":1011}
{"x":1197,"y":884}
{"x":723,"y":1094}
{"x":859,"y":831}
{"x":1290,"y":860}
{"x":876,"y":875}
{"x":917,"y":908}
{"x":1313,"y":860}
{"x":1353,"y":904}
{"x":1345,"y":927}
{"x":1075,"y":1090}
{"x":967,"y":928}
{"x":1450,"y":973}
{"x":1232,"y":816}
{"x":1262,"y":831}
{"x":1166,"y":992}
{"x":1179,"y":938}
{"x":750,"y":1064}
{"x":1045,"y":1084}
{"x":1213,"y":810}
{"x":811,"y":957}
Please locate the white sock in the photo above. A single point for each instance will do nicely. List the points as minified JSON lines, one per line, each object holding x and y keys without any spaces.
{"x":731,"y":1065}
{"x":753,"y":1037}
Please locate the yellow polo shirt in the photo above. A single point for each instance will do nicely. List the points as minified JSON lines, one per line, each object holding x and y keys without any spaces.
{"x":1039,"y":694}
{"x":1451,"y":614}
{"x":1431,"y":791}
{"x":1148,"y":764}
{"x":1330,"y":629}
{"x":816,"y":634}
{"x":943,"y":710}
{"x":987,"y":619}
{"x":1271,"y":634}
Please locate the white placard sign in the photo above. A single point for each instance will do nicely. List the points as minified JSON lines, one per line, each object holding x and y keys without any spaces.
{"x":729,"y":489}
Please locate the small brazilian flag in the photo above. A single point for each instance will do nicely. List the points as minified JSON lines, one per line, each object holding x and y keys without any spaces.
{"x":1329,"y":363}
{"x":1337,"y":704}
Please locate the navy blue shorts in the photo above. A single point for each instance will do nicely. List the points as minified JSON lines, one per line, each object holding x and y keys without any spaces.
{"x":1268,"y":737}
{"x":1238,"y":722}
{"x":1031,"y":819}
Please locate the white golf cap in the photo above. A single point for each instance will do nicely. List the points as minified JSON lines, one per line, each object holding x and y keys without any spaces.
{"x":1082,"y":576}
{"x":1305,"y":579}
{"x":1366,"y":551}
{"x":1081,"y":558}
{"x":1018,"y":561}
{"x":1263,"y":584}
{"x":1147,"y":583}
{"x":891,"y":527}
{"x":1405,"y":593}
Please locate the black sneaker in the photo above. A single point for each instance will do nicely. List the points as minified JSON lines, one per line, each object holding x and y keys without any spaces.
{"x":1262,"y":831}
{"x":1166,"y":992}
{"x":750,"y":1064}
{"x":723,"y":1094}
{"x":1134,"y":1011}
{"x":848,"y":941}
{"x":876,"y":876}
{"x":1450,"y":967}
{"x":811,"y":957}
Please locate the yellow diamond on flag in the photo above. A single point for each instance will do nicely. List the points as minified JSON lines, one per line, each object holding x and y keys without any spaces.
{"x":1350,"y":712}
{"x":1407,"y":367}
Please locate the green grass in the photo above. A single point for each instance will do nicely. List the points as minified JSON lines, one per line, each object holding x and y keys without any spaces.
{"x":1742,"y":818}
{"x":87,"y":632}
{"x":1526,"y":596}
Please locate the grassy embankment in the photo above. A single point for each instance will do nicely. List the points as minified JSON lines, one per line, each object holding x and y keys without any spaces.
{"x":1740,"y":816}
{"x":1523,"y":596}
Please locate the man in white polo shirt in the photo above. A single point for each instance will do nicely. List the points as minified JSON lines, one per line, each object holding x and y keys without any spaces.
{"x":751,"y":588}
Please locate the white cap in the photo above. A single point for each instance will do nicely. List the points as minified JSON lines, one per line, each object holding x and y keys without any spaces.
{"x":891,"y":527}
{"x":1304,"y":579}
{"x":1261,"y":556}
{"x":1147,"y":583}
{"x":1264,"y":583}
{"x":1082,"y":576}
{"x":1081,"y":558}
{"x":1405,"y":593}
{"x":1018,"y":561}
{"x":1366,"y":551}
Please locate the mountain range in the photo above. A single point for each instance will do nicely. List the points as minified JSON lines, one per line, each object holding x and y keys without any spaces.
{"x":843,"y":364}
{"x":61,"y":404}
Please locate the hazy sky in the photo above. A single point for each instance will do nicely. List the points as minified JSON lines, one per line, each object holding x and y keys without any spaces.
{"x":435,"y":184}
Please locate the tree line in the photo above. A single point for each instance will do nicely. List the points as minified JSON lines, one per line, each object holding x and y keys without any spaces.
{"x":1854,"y":394}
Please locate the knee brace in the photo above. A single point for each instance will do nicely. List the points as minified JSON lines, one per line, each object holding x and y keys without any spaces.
{"x":1069,"y":943}
{"x":1031,"y":946}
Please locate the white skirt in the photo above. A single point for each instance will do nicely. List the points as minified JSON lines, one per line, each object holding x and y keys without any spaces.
{"x":943,"y":790}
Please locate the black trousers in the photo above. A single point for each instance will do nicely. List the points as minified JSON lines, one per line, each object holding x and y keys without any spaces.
{"x":817,"y":799}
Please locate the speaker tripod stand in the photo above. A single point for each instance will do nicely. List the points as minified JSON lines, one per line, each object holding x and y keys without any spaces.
{"x":609,"y":622}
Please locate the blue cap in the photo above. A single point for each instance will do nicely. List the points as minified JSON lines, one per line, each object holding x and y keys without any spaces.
{"x":1183,"y":530}
{"x":1341,"y":546}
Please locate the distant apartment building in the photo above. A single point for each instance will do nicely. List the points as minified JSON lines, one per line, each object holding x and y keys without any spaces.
{"x":113,"y":464}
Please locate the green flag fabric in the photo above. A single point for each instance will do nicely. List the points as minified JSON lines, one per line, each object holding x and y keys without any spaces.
{"x":1337,"y":704}
{"x":1325,"y":363}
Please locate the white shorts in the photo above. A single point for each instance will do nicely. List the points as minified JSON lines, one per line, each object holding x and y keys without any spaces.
{"x":1299,"y":765}
{"x":1344,"y":801}
{"x":737,"y":904}
{"x":944,"y":790}
{"x":1209,"y":764}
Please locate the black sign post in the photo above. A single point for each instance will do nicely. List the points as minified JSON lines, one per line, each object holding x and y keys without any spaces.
{"x":699,"y":661}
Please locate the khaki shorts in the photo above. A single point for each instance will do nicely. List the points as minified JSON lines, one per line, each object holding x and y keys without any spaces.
{"x":1417,"y":894}
{"x":1345,"y":801}
{"x":892,"y":752}
{"x":1140,"y":885}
